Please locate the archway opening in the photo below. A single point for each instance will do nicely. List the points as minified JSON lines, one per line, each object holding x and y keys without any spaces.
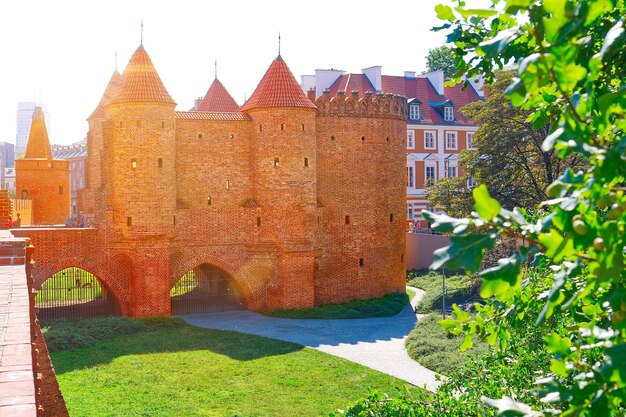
{"x":206,"y":289}
{"x":75,"y":293}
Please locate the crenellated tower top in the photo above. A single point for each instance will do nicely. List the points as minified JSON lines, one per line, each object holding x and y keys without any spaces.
{"x":368,"y":104}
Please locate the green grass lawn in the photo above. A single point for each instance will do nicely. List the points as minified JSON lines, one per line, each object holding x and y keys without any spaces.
{"x":168,"y":368}
{"x":386,"y":306}
{"x":458,"y":288}
{"x":410,"y":294}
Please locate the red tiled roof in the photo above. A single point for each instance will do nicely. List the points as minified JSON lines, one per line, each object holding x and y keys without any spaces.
{"x":140,"y":82}
{"x":217,"y":99}
{"x":38,"y":145}
{"x":109,"y":93}
{"x":410,"y":88}
{"x":199,"y":115}
{"x":278,"y":88}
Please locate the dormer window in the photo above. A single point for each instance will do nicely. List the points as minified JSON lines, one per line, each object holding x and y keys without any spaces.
{"x":448,"y":113}
{"x":414,"y":112}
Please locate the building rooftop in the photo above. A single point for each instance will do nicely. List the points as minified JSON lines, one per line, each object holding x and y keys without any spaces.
{"x":217,"y":99}
{"x":140,"y":82}
{"x":278,"y":88}
{"x":38,"y":145}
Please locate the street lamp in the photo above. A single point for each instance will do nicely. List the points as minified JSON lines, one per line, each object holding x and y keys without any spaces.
{"x":443,"y":291}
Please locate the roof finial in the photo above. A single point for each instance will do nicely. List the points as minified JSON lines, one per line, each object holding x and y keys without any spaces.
{"x":279,"y":43}
{"x":216,"y":68}
{"x":142,"y":31}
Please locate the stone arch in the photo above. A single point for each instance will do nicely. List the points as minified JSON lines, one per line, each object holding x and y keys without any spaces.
{"x":42,"y":274}
{"x":210,"y":259}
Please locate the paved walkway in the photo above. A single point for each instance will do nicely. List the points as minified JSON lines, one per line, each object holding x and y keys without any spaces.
{"x":377,"y":343}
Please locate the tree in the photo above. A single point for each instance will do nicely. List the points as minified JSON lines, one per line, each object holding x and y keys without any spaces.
{"x":441,"y":58}
{"x":571,"y":56}
{"x":508,"y":160}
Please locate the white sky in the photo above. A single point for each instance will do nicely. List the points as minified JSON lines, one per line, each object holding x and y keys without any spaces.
{"x":62,"y":52}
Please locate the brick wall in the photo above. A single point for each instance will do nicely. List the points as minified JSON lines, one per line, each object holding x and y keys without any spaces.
{"x":47,"y":183}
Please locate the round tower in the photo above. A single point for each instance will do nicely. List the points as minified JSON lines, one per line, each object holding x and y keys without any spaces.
{"x":361,"y":154}
{"x":284,"y":176}
{"x":138,"y":157}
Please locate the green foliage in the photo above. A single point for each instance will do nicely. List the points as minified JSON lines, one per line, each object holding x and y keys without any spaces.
{"x":172,"y":369}
{"x":459,"y":287}
{"x":386,"y":306}
{"x":436,"y":348}
{"x":571,"y":80}
{"x":441,"y":58}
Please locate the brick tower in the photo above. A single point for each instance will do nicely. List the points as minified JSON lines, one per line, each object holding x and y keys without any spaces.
{"x":41,"y":178}
{"x":360,"y":141}
{"x":284,"y":175}
{"x":139,"y":180}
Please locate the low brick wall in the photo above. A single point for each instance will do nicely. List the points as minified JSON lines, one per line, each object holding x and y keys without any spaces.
{"x":28,"y":384}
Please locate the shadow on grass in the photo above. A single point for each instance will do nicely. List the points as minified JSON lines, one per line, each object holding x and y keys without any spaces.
{"x":94,"y":342}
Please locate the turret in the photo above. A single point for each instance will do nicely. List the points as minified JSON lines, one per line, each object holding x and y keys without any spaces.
{"x":284,"y":175}
{"x":41,"y":178}
{"x":139,"y":152}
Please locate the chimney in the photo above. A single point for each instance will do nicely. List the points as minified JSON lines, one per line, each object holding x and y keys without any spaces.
{"x":409,"y":74}
{"x":196,"y":104}
{"x":436,"y":79}
{"x":325,"y":78}
{"x":374,"y":74}
{"x":311,"y":94}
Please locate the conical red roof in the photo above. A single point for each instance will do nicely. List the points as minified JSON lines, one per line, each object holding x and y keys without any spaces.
{"x":38,"y":145}
{"x":140,"y":82}
{"x":109,"y":93}
{"x":217,"y":99}
{"x":278,"y":88}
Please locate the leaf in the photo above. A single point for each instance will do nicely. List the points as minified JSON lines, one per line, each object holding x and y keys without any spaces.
{"x":452,"y":326}
{"x":467,"y":343}
{"x":444,"y":223}
{"x":597,"y":8}
{"x":444,"y":13}
{"x":615,"y":365}
{"x":614,"y":33}
{"x":486,"y":207}
{"x":482,"y":13}
{"x":558,"y":367}
{"x":460,"y":315}
{"x":557,"y":344}
{"x":465,"y":252}
{"x":500,"y":279}
{"x":508,"y":406}
{"x":557,"y":247}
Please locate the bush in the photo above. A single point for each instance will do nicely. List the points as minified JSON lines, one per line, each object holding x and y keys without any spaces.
{"x":459,"y":287}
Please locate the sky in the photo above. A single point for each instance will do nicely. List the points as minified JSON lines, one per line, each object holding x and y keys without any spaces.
{"x":63,"y":52}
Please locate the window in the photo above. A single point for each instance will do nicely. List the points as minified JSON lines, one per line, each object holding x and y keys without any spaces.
{"x":448,"y":113}
{"x":260,"y":128}
{"x":24,"y":194}
{"x":282,"y":126}
{"x":410,"y":177}
{"x":429,"y":139}
{"x":430,"y":173}
{"x":276,"y":162}
{"x":200,"y":136}
{"x":471,"y":182}
{"x":451,"y":140}
{"x":133,"y":163}
{"x":160,"y":162}
{"x":414,"y":112}
{"x":208,"y":201}
{"x":362,"y":138}
{"x":302,"y":127}
{"x":451,"y":172}
{"x":129,"y":221}
{"x":61,"y":189}
{"x":409,"y":209}
{"x":470,"y":140}
{"x":228,"y":184}
{"x":361,"y":263}
{"x":306,"y":162}
{"x":410,"y":139}
{"x":347,"y":219}
{"x":258,"y":222}
{"x":391,"y":217}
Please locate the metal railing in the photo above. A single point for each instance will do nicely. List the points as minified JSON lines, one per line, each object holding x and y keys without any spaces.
{"x":205,"y":291}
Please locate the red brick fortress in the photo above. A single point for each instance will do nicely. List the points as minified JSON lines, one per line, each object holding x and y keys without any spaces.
{"x":271,"y":194}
